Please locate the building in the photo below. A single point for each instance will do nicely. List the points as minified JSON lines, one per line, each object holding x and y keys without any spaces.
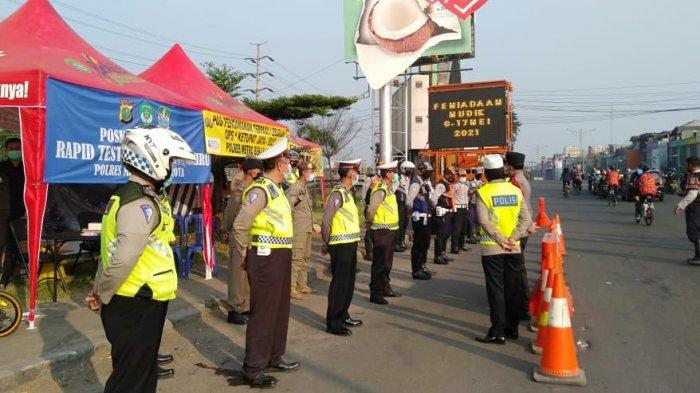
{"x":572,"y":151}
{"x":683,"y":142}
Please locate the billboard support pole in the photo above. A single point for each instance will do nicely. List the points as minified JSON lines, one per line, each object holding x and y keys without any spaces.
{"x":385,"y":123}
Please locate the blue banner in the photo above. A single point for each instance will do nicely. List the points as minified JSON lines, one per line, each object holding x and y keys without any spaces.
{"x":85,"y":128}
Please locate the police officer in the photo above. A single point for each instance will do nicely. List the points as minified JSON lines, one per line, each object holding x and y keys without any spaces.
{"x":292,"y":174}
{"x":136,"y":276}
{"x":264,"y":236}
{"x":442,"y":200}
{"x":238,"y":287}
{"x":515,"y":162}
{"x":691,"y":204}
{"x":461,"y":208}
{"x":370,"y":181}
{"x":472,"y":224}
{"x":421,"y":219}
{"x":425,"y":170}
{"x":382,"y":217}
{"x":504,"y":220}
{"x":407,"y":169}
{"x":300,"y":200}
{"x":340,"y":230}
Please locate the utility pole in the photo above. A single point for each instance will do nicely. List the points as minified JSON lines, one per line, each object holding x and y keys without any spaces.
{"x":258,"y":74}
{"x":612,"y":122}
{"x":580,"y":143}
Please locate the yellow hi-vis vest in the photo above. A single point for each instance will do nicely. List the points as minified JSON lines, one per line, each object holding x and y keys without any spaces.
{"x":503,"y":201}
{"x":291,"y":177}
{"x":387,"y":215}
{"x":345,"y":227}
{"x":273,"y":226}
{"x":156,"y":266}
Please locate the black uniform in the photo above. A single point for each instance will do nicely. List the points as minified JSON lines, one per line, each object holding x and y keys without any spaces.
{"x":403,"y":219}
{"x":421,"y":219}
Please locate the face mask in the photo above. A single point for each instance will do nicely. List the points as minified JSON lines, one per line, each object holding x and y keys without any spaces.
{"x":312,"y":177}
{"x":426,"y":176}
{"x":14,"y":155}
{"x":395,"y":178}
{"x":356,"y":181}
{"x":463,"y":180}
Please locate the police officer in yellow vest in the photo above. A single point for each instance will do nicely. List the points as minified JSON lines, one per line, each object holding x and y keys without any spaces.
{"x":136,"y":275}
{"x":292,"y":176}
{"x":263,"y":239}
{"x":341,"y":233}
{"x":504,"y":219}
{"x":382,"y":217}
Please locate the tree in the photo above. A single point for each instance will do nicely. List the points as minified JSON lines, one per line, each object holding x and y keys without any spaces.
{"x":224,"y":76}
{"x":334,"y":133}
{"x":516,"y":125}
{"x":300,"y":107}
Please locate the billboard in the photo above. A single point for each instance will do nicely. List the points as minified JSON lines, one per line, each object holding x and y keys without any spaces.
{"x":473,"y":115}
{"x":387,"y":36}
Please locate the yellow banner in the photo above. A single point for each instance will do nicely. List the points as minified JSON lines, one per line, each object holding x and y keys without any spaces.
{"x":225,"y":136}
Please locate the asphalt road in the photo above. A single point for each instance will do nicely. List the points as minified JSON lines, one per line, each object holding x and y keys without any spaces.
{"x":637,"y":311}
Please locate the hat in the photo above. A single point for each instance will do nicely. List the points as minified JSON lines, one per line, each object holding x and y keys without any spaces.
{"x":408,"y":165}
{"x":425,"y":166}
{"x":275,"y":150}
{"x":462,"y":172}
{"x":304,"y":165}
{"x":251,"y":163}
{"x":493,"y":161}
{"x":447,"y":172}
{"x":293,"y":155}
{"x":354,"y":164}
{"x":479,"y":170}
{"x":388,"y":166}
{"x":514,"y":158}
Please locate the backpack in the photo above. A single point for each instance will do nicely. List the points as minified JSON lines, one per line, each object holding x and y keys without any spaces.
{"x":647,"y":184}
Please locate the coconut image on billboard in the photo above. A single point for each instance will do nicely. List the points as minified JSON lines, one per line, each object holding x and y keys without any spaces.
{"x":391,"y":35}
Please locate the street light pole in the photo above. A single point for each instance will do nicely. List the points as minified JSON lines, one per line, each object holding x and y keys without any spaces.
{"x":580,"y":132}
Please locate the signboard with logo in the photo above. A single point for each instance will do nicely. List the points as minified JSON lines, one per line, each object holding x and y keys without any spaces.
{"x":229,"y":137}
{"x":387,"y":36}
{"x":85,"y":128}
{"x":475,"y":115}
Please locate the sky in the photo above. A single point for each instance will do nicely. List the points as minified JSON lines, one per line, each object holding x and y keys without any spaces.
{"x":570,"y":62}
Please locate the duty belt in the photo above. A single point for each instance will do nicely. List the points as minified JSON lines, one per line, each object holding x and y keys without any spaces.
{"x":272,"y":240}
{"x":463,"y":206}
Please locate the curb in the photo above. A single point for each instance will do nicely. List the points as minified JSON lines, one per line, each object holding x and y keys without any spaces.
{"x":81,"y":352}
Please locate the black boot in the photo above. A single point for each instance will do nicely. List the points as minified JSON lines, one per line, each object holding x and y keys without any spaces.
{"x":696,"y":259}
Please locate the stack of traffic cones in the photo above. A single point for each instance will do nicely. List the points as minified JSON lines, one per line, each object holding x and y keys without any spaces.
{"x":549,"y":250}
{"x":559,"y":364}
{"x":548,"y":272}
{"x":560,"y":236}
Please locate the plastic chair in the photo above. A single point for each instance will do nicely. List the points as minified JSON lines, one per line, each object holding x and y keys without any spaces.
{"x":179,"y":231}
{"x":19,"y":233}
{"x":198,"y":245}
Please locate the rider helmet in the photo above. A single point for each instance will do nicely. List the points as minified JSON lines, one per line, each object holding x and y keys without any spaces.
{"x":151,"y":151}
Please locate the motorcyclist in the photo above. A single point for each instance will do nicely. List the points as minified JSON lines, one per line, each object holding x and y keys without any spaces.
{"x":645,"y":186}
{"x":567,"y":177}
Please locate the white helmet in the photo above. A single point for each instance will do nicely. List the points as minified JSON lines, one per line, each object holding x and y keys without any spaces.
{"x":597,"y":172}
{"x":407,"y":165}
{"x":151,"y":151}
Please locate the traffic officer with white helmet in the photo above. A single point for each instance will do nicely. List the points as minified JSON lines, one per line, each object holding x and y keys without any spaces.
{"x":340,"y":230}
{"x":504,"y":219}
{"x":382,"y":216}
{"x":263,"y":239}
{"x":136,"y":276}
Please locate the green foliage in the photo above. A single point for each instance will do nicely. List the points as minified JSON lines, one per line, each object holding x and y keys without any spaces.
{"x":300,"y":107}
{"x":224,"y":76}
{"x":516,"y":125}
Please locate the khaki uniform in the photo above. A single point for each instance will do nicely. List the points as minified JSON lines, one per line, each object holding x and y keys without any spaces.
{"x":300,"y":201}
{"x":238,"y":286}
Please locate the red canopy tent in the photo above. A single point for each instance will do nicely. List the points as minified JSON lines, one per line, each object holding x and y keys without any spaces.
{"x":37,"y":44}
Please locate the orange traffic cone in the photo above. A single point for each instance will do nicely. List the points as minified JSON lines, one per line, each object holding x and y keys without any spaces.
{"x":542,"y":219}
{"x":548,"y":251}
{"x":543,"y":318}
{"x":559,"y":364}
{"x":560,"y":236}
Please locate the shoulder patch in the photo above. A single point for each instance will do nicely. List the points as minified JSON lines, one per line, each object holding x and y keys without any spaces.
{"x":252,"y":197}
{"x":147,"y":213}
{"x":336,"y":202}
{"x":273,"y":191}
